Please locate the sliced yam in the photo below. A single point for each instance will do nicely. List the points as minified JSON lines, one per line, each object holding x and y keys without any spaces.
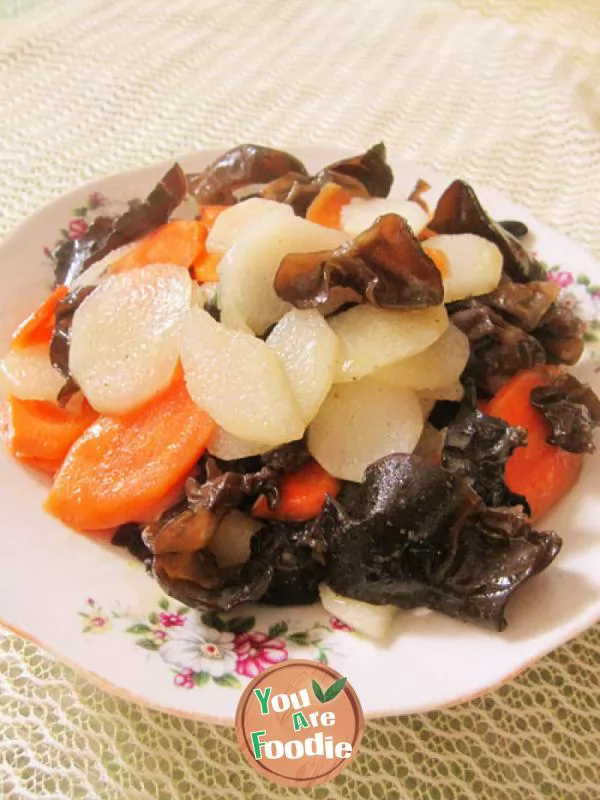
{"x":125,"y":336}
{"x":327,"y":206}
{"x":235,"y":220}
{"x":371,"y":338}
{"x":121,"y":468}
{"x":40,"y":430}
{"x":360,"y":214}
{"x":229,"y":448}
{"x":101,"y":269}
{"x":441,"y":364}
{"x":373,"y":621}
{"x":361,"y":422}
{"x":247,"y":270}
{"x":307,"y":350}
{"x":28,"y":374}
{"x":454,"y":392}
{"x":302,"y":495}
{"x":38,"y":327}
{"x":205,"y":267}
{"x":176,"y":243}
{"x":472,"y":265}
{"x":230,"y":543}
{"x":238,"y":380}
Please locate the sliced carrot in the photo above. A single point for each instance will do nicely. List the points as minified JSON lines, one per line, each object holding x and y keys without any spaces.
{"x":302,"y":495}
{"x":38,"y":327}
{"x":176,"y":242}
{"x":208,"y":214}
{"x":46,"y":465}
{"x":439,"y":258}
{"x":326,"y":208}
{"x":121,"y":467}
{"x":40,"y":430}
{"x":426,"y":233}
{"x":542,"y":472}
{"x":205,"y":267}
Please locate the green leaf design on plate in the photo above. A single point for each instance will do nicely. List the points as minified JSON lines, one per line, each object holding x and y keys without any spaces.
{"x":163,"y":603}
{"x":153,"y":618}
{"x":323,"y":657}
{"x":335,"y":688}
{"x":139,"y":627}
{"x":318,"y":692}
{"x":213,"y":620}
{"x":183,"y":610}
{"x":583,"y":279}
{"x":239,"y":625}
{"x":80,"y":212}
{"x":201,"y":678}
{"x":147,"y":644}
{"x":227,"y":680}
{"x":278,"y":629}
{"x":301,"y":639}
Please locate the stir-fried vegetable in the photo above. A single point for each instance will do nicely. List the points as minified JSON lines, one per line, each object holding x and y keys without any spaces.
{"x":309,"y":388}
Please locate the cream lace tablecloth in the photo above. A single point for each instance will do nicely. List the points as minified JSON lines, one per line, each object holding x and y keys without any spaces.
{"x":501,"y":92}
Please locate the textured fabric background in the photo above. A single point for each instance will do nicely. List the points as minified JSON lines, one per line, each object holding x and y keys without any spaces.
{"x":502,"y":92}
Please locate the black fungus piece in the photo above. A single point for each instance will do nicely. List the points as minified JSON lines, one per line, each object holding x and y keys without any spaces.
{"x":295,"y":552}
{"x":242,"y":166}
{"x":130,"y":536}
{"x":459,"y":211}
{"x":498,"y":350}
{"x":413,"y":535}
{"x":61,"y":335}
{"x":523,"y":304}
{"x":561,"y":333}
{"x":477,"y":448}
{"x":370,"y":168}
{"x":104,"y":235}
{"x":230,"y":489}
{"x":287,"y":458}
{"x":573,"y":411}
{"x":385,"y":265}
{"x":514,"y":227}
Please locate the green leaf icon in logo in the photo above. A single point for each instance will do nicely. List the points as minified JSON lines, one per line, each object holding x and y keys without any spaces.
{"x":331,"y":693}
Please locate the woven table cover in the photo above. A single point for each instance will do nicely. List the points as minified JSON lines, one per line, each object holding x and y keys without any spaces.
{"x":505,"y":93}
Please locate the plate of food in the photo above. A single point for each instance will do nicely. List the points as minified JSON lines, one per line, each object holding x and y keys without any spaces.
{"x":260,"y":405}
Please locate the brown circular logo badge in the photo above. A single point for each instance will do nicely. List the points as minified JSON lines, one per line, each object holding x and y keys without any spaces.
{"x":299,"y":723}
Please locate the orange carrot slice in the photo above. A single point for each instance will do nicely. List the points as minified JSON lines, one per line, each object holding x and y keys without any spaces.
{"x":40,"y":430}
{"x":326,"y":208}
{"x":542,"y":472}
{"x":121,"y":467}
{"x":176,"y":242}
{"x":426,"y":233}
{"x":38,"y":327}
{"x":46,"y":465}
{"x":302,"y":495}
{"x":205,"y":267}
{"x":208,"y":214}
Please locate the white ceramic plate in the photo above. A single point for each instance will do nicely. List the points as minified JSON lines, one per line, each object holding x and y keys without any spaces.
{"x":98,"y":611}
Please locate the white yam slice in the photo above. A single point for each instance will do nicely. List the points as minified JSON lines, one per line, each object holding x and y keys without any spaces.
{"x":229,"y":448}
{"x":361,"y":422}
{"x":371,"y":338}
{"x":360,"y":214}
{"x":230,"y":543}
{"x":374,"y":621}
{"x":237,"y":219}
{"x":94,"y":274}
{"x":28,"y":374}
{"x":307,"y":350}
{"x":247,"y":270}
{"x":440,"y":365}
{"x":125,"y":336}
{"x":238,"y":380}
{"x":474,"y":264}
{"x":429,"y":397}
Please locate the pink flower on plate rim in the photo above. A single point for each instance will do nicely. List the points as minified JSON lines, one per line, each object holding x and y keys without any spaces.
{"x":256,"y":652}
{"x":171,"y":620}
{"x":338,"y":625}
{"x":562,"y":278}
{"x":77,"y":228}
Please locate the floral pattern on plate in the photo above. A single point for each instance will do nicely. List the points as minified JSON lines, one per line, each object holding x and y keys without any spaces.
{"x":208,"y":647}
